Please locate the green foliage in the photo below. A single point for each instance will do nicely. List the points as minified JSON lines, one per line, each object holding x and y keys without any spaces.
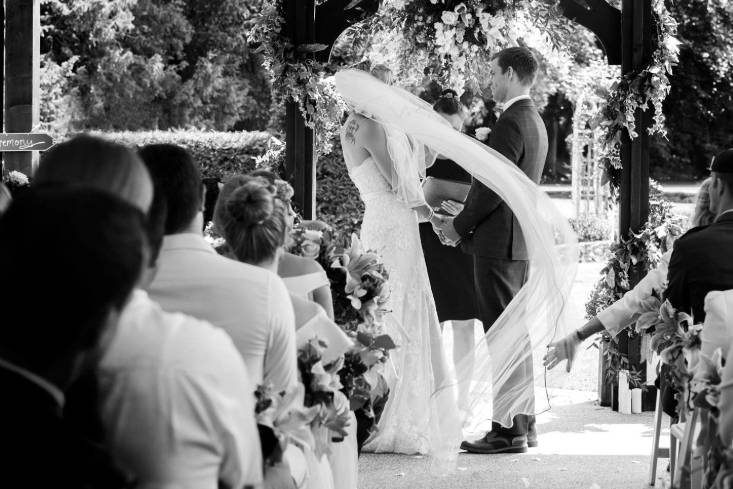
{"x":699,"y":108}
{"x":338,"y":201}
{"x":150,"y":64}
{"x":591,"y":228}
{"x":219,"y":154}
{"x":224,"y":154}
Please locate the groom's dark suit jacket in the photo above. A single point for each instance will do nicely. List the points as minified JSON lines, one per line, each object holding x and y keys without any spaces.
{"x":486,"y":225}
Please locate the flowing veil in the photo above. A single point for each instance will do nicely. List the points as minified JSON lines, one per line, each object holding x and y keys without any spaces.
{"x":503,"y":375}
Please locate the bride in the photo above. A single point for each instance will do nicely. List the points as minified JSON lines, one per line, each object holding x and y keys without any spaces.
{"x":385,"y":141}
{"x":393,"y":208}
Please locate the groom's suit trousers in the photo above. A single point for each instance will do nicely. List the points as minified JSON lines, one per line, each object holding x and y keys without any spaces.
{"x":497,"y":281}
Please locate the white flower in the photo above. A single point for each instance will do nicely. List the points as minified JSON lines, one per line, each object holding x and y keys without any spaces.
{"x":449,"y":18}
{"x":17,"y":178}
{"x":482,"y":133}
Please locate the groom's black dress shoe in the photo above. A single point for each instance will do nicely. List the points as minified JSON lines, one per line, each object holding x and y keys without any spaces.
{"x":496,"y":443}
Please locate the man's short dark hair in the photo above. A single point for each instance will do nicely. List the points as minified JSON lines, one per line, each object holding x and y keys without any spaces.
{"x":68,"y":257}
{"x":521,"y":60}
{"x":177,"y":179}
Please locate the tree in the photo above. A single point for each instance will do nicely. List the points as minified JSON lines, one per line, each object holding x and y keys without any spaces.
{"x":147,"y":64}
{"x":699,"y":106}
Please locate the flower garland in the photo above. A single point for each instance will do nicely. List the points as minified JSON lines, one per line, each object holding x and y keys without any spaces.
{"x":295,"y":76}
{"x":16,"y":181}
{"x":637,"y":90}
{"x":637,"y":252}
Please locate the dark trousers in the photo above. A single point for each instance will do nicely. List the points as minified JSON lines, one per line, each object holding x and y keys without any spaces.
{"x":497,"y":281}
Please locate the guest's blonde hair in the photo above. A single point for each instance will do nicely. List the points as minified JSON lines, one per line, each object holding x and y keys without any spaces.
{"x":702,"y":215}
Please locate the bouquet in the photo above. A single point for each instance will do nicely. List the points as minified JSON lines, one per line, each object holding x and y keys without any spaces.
{"x":323,"y":392}
{"x":282,"y":419}
{"x":366,"y":281}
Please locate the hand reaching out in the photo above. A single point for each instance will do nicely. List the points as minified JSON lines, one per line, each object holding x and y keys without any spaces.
{"x":452,"y":207}
{"x":565,"y":349}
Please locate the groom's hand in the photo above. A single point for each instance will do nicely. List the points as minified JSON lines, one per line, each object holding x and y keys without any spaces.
{"x":565,"y":349}
{"x":449,"y":231}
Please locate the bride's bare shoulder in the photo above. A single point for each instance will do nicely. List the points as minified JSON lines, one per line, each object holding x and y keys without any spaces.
{"x":355,"y":128}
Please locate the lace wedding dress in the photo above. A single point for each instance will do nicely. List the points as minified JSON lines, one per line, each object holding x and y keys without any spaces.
{"x":409,"y":422}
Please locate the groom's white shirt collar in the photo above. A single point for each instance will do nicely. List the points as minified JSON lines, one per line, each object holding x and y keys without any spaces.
{"x":54,"y":391}
{"x":514,"y":100}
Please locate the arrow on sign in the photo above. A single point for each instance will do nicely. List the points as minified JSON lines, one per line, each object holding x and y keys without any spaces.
{"x":18,"y":141}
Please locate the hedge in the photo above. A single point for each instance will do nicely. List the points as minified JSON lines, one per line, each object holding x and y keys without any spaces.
{"x":223,"y":154}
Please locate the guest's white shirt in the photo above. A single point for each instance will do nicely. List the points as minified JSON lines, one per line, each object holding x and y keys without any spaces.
{"x":250,"y":303}
{"x":177,"y":403}
{"x":625,"y":311}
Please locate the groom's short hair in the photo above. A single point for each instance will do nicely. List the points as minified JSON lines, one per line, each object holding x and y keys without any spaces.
{"x":521,"y":60}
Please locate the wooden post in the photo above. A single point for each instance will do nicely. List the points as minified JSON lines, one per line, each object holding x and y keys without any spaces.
{"x":2,"y":78}
{"x":299,"y":158}
{"x":637,"y":23}
{"x":22,"y":66}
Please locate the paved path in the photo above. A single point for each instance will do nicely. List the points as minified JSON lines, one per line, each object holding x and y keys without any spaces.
{"x":582,"y":446}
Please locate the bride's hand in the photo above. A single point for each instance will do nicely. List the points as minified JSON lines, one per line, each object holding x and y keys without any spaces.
{"x":452,"y":207}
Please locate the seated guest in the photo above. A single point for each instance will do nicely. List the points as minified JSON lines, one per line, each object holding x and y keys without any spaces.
{"x":69,"y":259}
{"x":248,"y":302}
{"x":304,"y":277}
{"x":254,"y":223}
{"x":622,"y":313}
{"x":700,"y":262}
{"x":155,"y":369}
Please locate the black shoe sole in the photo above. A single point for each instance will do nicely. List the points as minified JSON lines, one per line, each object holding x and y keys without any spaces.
{"x":493,"y":451}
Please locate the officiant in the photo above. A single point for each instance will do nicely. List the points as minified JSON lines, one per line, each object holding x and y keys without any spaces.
{"x":450,"y":270}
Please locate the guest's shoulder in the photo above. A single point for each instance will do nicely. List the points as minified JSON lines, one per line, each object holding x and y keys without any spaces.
{"x":693,"y":235}
{"x":295,"y":266}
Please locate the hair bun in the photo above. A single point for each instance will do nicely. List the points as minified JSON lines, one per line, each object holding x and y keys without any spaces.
{"x":251,"y":204}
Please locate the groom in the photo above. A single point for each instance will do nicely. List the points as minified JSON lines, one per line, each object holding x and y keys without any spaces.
{"x":488,"y":230}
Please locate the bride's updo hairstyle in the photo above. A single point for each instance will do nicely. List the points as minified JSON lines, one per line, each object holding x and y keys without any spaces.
{"x":251,"y":219}
{"x":448,"y":103}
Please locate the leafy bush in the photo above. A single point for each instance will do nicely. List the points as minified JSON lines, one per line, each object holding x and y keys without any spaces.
{"x":337,"y":199}
{"x":223,"y":154}
{"x":591,"y":229}
{"x":219,"y":154}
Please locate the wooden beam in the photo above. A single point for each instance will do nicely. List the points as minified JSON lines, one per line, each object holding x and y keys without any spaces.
{"x":601,"y":19}
{"x":22,"y":66}
{"x":300,"y":165}
{"x":637,"y":29}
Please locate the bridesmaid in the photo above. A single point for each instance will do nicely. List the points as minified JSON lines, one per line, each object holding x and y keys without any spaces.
{"x":304,"y":277}
{"x":449,"y":269}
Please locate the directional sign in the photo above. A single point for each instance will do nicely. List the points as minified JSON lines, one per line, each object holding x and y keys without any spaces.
{"x":19,"y":141}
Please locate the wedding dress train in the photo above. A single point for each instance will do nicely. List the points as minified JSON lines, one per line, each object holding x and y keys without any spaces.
{"x":409,"y":423}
